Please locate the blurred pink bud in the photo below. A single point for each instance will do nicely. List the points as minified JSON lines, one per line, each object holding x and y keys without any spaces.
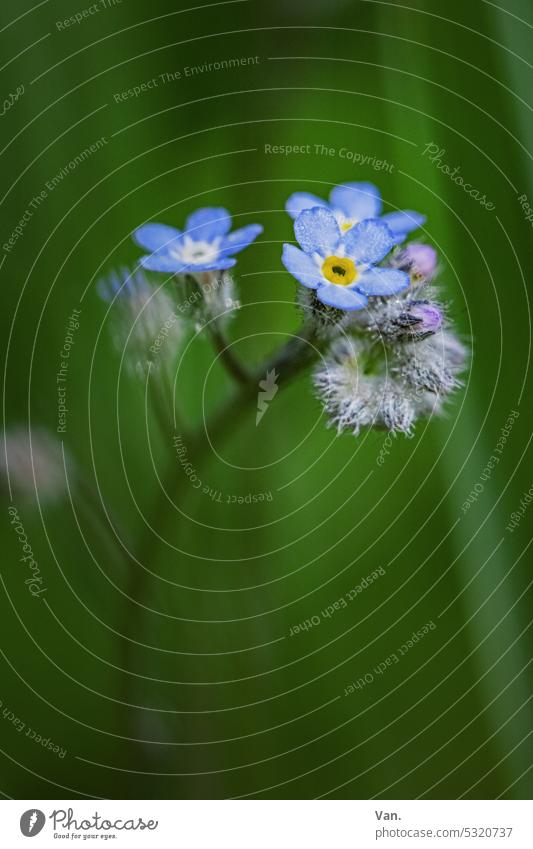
{"x":32,"y":466}
{"x":429,"y":317}
{"x":419,"y":259}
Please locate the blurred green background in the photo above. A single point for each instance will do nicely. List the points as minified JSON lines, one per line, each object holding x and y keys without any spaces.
{"x":219,"y":700}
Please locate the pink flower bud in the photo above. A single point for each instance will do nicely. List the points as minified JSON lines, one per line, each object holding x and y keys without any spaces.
{"x":421,"y":260}
{"x":428,"y":316}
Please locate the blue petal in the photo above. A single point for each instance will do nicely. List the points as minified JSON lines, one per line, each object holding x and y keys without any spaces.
{"x":357,"y":200}
{"x":155,"y":236}
{"x":173,"y":265}
{"x":123,"y":283}
{"x":240,"y":239}
{"x":342,"y":297}
{"x":303,"y":200}
{"x":317,"y":230}
{"x":301,"y":266}
{"x":206,"y":224}
{"x":401,"y":223}
{"x":161,"y":261}
{"x":109,"y":287}
{"x":368,"y":241}
{"x":217,"y":265}
{"x":382,"y":281}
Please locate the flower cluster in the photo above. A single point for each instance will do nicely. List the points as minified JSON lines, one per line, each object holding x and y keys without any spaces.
{"x":393,"y":357}
{"x":369,"y":302}
{"x":398,"y":360}
{"x":364,"y":383}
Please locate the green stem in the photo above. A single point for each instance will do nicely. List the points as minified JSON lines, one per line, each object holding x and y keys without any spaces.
{"x":232,"y":363}
{"x":288,"y":362}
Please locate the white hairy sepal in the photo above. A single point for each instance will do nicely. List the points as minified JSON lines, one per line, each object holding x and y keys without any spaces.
{"x":146,"y":324}
{"x":213,"y":297}
{"x":327,"y":322}
{"x":354,"y":400}
{"x":363,"y":383}
{"x":432,"y":365}
{"x":388,"y":318}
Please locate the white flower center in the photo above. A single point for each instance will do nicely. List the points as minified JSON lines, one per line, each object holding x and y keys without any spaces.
{"x":192,"y":252}
{"x":344,"y":223}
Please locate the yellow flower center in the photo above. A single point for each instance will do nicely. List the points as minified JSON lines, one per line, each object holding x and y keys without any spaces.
{"x":346,"y":225}
{"x":339,"y":270}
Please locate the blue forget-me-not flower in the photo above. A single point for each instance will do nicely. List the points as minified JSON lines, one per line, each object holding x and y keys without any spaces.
{"x":351,"y":203}
{"x":342,"y":267}
{"x":206,"y":244}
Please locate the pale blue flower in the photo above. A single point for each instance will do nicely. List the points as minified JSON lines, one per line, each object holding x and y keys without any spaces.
{"x":351,"y":203}
{"x":342,"y":267}
{"x":205,"y":245}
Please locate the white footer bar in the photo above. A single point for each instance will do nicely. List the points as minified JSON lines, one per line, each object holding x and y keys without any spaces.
{"x":268,"y":824}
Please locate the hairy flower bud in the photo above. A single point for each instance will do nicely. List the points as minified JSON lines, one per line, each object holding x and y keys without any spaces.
{"x":353,"y":399}
{"x":432,"y":365}
{"x":401,"y":319}
{"x":428,"y":317}
{"x":365,"y":383}
{"x":419,"y":260}
{"x":327,"y":321}
{"x":396,"y":408}
{"x":218,"y":299}
{"x":418,"y":320}
{"x":144,"y":319}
